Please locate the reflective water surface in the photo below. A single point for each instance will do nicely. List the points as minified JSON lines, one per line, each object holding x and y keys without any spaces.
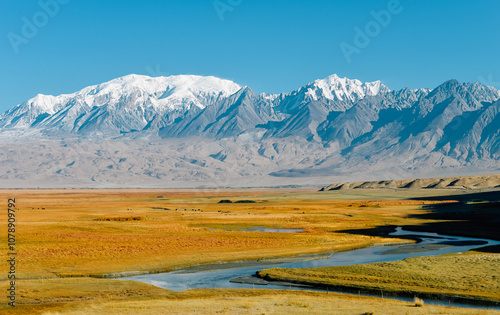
{"x":431,"y":244}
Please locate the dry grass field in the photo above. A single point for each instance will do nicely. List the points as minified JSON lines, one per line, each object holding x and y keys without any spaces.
{"x":104,"y":296}
{"x":468,"y":275}
{"x":63,"y":234}
{"x":74,"y":233}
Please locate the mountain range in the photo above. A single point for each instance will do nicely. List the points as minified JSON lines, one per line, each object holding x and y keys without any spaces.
{"x":192,"y":131}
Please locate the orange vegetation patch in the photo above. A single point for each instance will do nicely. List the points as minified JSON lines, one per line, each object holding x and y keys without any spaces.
{"x":83,"y":232}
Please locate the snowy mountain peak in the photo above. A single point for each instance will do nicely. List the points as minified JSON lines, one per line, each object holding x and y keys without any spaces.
{"x":188,"y":105}
{"x":43,"y":103}
{"x":185,"y":82}
{"x":343,"y":89}
{"x":141,"y":96}
{"x":215,"y":132}
{"x":173,"y":92}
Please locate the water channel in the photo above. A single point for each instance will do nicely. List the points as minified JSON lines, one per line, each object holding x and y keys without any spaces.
{"x":231,"y":275}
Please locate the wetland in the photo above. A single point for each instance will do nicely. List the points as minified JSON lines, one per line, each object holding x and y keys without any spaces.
{"x":72,"y":241}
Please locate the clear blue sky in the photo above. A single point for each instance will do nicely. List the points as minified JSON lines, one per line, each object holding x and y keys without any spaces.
{"x":271,"y":46}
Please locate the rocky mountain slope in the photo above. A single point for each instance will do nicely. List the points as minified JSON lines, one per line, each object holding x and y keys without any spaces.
{"x":189,"y":131}
{"x":126,"y":104}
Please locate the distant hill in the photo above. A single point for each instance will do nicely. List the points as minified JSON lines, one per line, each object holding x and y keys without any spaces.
{"x":457,"y":182}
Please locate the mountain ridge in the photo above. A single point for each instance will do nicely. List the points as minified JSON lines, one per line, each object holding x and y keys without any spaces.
{"x":140,"y":97}
{"x":455,"y":182}
{"x":201,"y":130}
{"x":144,"y":99}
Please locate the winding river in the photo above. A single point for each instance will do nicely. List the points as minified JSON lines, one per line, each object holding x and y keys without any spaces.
{"x":232,"y":275}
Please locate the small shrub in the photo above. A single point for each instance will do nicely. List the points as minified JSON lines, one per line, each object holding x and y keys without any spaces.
{"x":225,"y":201}
{"x":299,"y":304}
{"x":245,"y":201}
{"x":418,"y":302}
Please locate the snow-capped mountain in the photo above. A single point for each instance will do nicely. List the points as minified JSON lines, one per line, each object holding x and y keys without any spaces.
{"x":334,"y":88}
{"x":241,"y":112}
{"x":137,"y":102}
{"x":193,"y":129}
{"x":128,"y":103}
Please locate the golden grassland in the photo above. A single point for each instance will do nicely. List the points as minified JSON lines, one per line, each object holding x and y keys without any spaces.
{"x":105,"y":296}
{"x":461,"y":276}
{"x":78,"y":233}
{"x":75,"y":233}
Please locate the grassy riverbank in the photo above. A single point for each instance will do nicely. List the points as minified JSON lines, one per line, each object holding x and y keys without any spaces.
{"x":80,"y":233}
{"x":459,"y":277}
{"x":63,"y":236}
{"x":104,"y":296}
